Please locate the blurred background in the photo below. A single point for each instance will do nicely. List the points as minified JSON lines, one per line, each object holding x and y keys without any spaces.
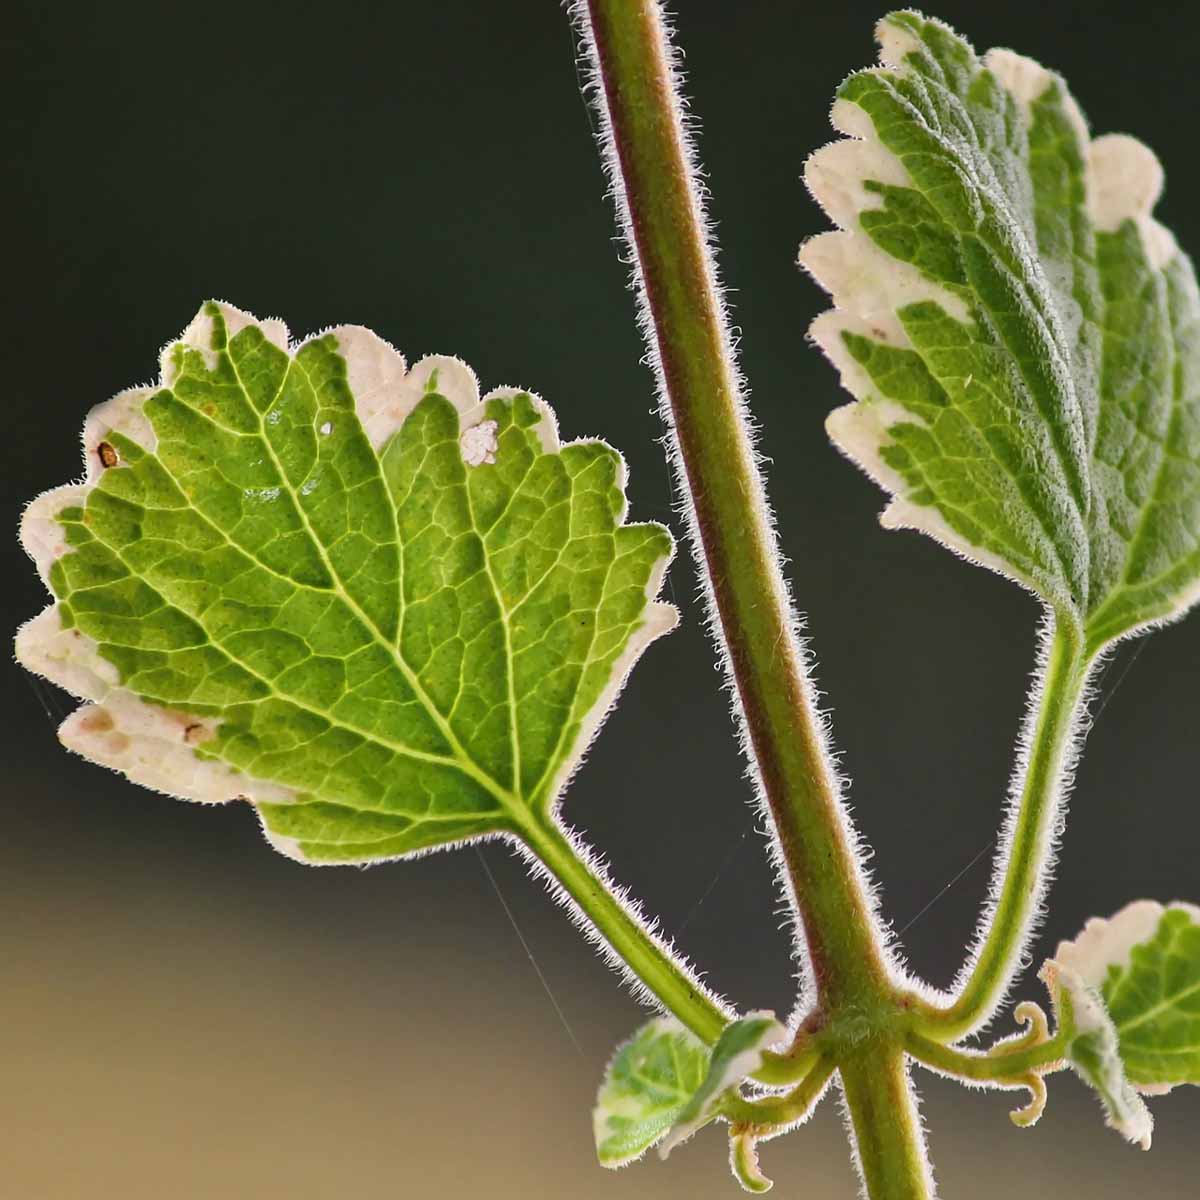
{"x":184,"y":1013}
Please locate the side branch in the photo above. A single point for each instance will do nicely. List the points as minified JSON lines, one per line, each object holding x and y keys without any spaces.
{"x":654,"y":182}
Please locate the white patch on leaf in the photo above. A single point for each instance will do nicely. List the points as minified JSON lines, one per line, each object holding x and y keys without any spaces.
{"x":198,"y":336}
{"x":846,"y":117}
{"x":42,"y":537}
{"x":1126,"y":181}
{"x":826,"y":332}
{"x":376,"y":373}
{"x":836,"y":175}
{"x":868,"y":283}
{"x":151,"y":745}
{"x":902,"y":513}
{"x":66,"y":657}
{"x":860,"y":431}
{"x":1109,"y":941}
{"x":895,"y":42}
{"x":1024,"y":78}
{"x":479,"y":444}
{"x":449,"y":377}
{"x":155,"y":747}
{"x":123,"y":412}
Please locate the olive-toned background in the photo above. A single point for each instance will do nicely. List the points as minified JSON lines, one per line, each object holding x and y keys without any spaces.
{"x":184,"y":1013}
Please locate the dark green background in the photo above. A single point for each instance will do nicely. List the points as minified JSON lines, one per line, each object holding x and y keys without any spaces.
{"x":184,"y":1013}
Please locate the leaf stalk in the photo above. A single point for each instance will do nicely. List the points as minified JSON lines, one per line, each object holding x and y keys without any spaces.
{"x":1023,"y":866}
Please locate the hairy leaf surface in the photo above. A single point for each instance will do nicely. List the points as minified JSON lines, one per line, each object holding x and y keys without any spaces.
{"x":387,"y":612}
{"x":1021,"y":336}
{"x":647,"y":1085}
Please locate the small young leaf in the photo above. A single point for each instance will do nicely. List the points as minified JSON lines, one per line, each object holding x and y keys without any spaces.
{"x":743,"y":1161}
{"x":646,"y":1087}
{"x":1093,"y":1052}
{"x":737,"y":1055}
{"x":1021,"y":336}
{"x":387,"y":612}
{"x":1145,"y":964}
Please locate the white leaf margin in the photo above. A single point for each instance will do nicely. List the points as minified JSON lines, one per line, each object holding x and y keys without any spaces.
{"x":1124,"y":180}
{"x":154,"y":746}
{"x":609,"y":1104}
{"x":1109,"y":941}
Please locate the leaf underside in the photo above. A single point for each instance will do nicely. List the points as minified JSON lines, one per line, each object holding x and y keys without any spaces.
{"x":1021,"y":337}
{"x":388,"y":613}
{"x":647,"y":1085}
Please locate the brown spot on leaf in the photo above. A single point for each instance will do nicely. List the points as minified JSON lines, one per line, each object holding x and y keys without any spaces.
{"x":108,"y":456}
{"x":193,"y":733}
{"x":97,"y":720}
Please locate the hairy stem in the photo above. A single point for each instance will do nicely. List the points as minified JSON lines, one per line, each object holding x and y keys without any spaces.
{"x":887,"y":1130}
{"x":783,"y":1110}
{"x":1030,"y":844}
{"x":644,"y":955}
{"x":656,"y":190}
{"x":998,"y":1067}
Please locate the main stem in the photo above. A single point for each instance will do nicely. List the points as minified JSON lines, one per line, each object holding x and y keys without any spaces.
{"x":654,"y":182}
{"x":887,"y":1129}
{"x":661,"y":210}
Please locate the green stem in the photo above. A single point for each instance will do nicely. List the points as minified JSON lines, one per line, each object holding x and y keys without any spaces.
{"x":786,"y":1110}
{"x":1002,"y":1067}
{"x":1030,"y":843}
{"x":887,"y":1130}
{"x":655,"y":967}
{"x":731,"y":528}
{"x":653,"y":964}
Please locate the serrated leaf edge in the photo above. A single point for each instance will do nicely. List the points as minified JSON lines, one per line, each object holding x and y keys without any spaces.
{"x":155,"y":746}
{"x":1124,"y":181}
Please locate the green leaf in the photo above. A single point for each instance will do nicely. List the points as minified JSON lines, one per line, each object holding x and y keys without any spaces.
{"x":646,"y":1087}
{"x":737,"y":1054}
{"x":1021,"y":336}
{"x":1144,"y":963}
{"x":389,"y":613}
